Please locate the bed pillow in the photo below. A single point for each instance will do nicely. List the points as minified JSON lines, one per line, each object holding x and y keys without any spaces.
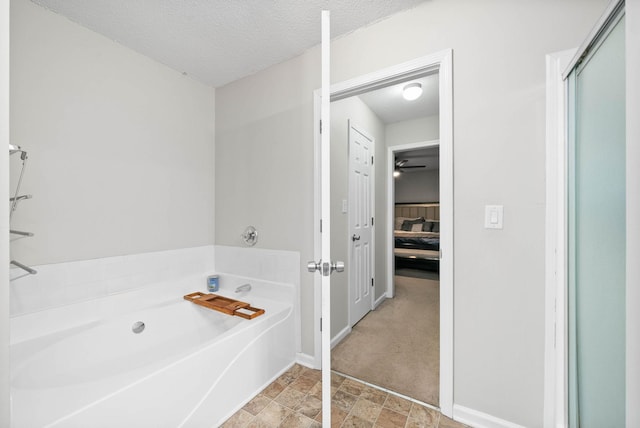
{"x":436,"y":227}
{"x":417,"y":227}
{"x":408,"y":224}
{"x":400,"y":220}
{"x":427,"y":226}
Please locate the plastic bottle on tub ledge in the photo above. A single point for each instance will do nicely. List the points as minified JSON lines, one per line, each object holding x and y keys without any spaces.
{"x":213,"y":284}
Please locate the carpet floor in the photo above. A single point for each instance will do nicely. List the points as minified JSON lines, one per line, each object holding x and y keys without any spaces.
{"x":396,"y":346}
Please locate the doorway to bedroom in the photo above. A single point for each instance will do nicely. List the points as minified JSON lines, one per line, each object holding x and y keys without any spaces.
{"x":416,"y":210}
{"x":395,"y":344}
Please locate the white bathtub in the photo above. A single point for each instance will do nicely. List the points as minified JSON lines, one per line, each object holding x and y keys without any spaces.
{"x":83,"y":366}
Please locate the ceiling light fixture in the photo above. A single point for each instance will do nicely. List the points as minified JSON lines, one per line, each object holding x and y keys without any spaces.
{"x":396,"y":173}
{"x":412,"y":91}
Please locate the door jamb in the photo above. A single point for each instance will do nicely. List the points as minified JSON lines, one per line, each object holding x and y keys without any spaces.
{"x":555,"y":367}
{"x":442,"y":62}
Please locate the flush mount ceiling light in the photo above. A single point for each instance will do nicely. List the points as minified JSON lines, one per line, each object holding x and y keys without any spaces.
{"x":412,"y":91}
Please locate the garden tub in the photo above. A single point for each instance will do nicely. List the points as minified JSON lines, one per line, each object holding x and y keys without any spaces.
{"x":148,"y":358}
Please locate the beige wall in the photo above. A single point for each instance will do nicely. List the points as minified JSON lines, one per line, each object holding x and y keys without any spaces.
{"x":264,"y":172}
{"x":264,"y":165}
{"x":121,"y":148}
{"x":413,"y":131}
{"x":416,"y":186}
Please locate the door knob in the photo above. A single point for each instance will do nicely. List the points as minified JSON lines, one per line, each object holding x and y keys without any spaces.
{"x":325,"y":269}
{"x":338,"y":266}
{"x":313,"y":266}
{"x":355,"y":237}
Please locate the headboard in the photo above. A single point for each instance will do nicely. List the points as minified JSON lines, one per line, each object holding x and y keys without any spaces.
{"x":430,"y":211}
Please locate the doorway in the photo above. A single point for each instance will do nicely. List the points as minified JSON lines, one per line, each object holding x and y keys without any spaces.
{"x":440,"y":64}
{"x":396,"y":346}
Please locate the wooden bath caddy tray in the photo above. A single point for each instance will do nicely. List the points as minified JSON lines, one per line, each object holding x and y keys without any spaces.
{"x":224,"y":305}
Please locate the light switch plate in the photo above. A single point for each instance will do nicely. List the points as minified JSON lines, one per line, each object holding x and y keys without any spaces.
{"x":493,"y":216}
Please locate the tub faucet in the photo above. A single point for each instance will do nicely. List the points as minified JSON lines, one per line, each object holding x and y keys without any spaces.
{"x":245,"y":287}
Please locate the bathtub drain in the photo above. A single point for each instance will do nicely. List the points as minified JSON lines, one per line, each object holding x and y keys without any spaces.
{"x":137,"y":327}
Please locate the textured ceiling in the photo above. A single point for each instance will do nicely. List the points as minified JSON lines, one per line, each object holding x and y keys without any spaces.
{"x":219,"y":41}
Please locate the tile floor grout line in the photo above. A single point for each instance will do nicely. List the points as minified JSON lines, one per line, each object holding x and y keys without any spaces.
{"x":388,"y":391}
{"x":291,"y":411}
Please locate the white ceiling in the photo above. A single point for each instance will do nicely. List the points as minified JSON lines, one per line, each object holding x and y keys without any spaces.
{"x":389,"y":105}
{"x":219,"y":41}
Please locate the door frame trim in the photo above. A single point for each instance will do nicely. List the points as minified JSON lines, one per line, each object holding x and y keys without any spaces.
{"x":441,"y":62}
{"x":556,"y":333}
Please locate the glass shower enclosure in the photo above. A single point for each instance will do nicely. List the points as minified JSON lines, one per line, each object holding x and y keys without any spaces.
{"x":597,"y":232}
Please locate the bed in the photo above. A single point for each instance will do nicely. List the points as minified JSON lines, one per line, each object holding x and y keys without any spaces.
{"x":417,"y":236}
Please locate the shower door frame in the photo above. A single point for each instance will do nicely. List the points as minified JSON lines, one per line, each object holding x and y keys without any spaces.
{"x":556,"y":334}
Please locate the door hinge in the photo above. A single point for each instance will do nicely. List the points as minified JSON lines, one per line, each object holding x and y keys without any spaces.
{"x":371,"y":160}
{"x":320,"y":324}
{"x":320,"y":225}
{"x":321,"y":126}
{"x":555,"y":324}
{"x":371,"y":221}
{"x":372,"y":282}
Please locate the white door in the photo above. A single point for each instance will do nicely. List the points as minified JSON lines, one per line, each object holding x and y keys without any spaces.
{"x":360,"y":224}
{"x":325,"y":266}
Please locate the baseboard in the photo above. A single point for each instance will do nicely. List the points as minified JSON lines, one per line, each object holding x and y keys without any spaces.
{"x":306,"y":360}
{"x":310,"y":361}
{"x":341,"y":335}
{"x":478,"y":419}
{"x":380,"y":300}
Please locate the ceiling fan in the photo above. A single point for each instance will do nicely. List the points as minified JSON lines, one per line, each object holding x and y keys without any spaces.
{"x":400,"y":165}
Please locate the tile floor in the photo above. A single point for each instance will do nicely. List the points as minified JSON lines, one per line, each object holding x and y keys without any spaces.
{"x":294,"y":400}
